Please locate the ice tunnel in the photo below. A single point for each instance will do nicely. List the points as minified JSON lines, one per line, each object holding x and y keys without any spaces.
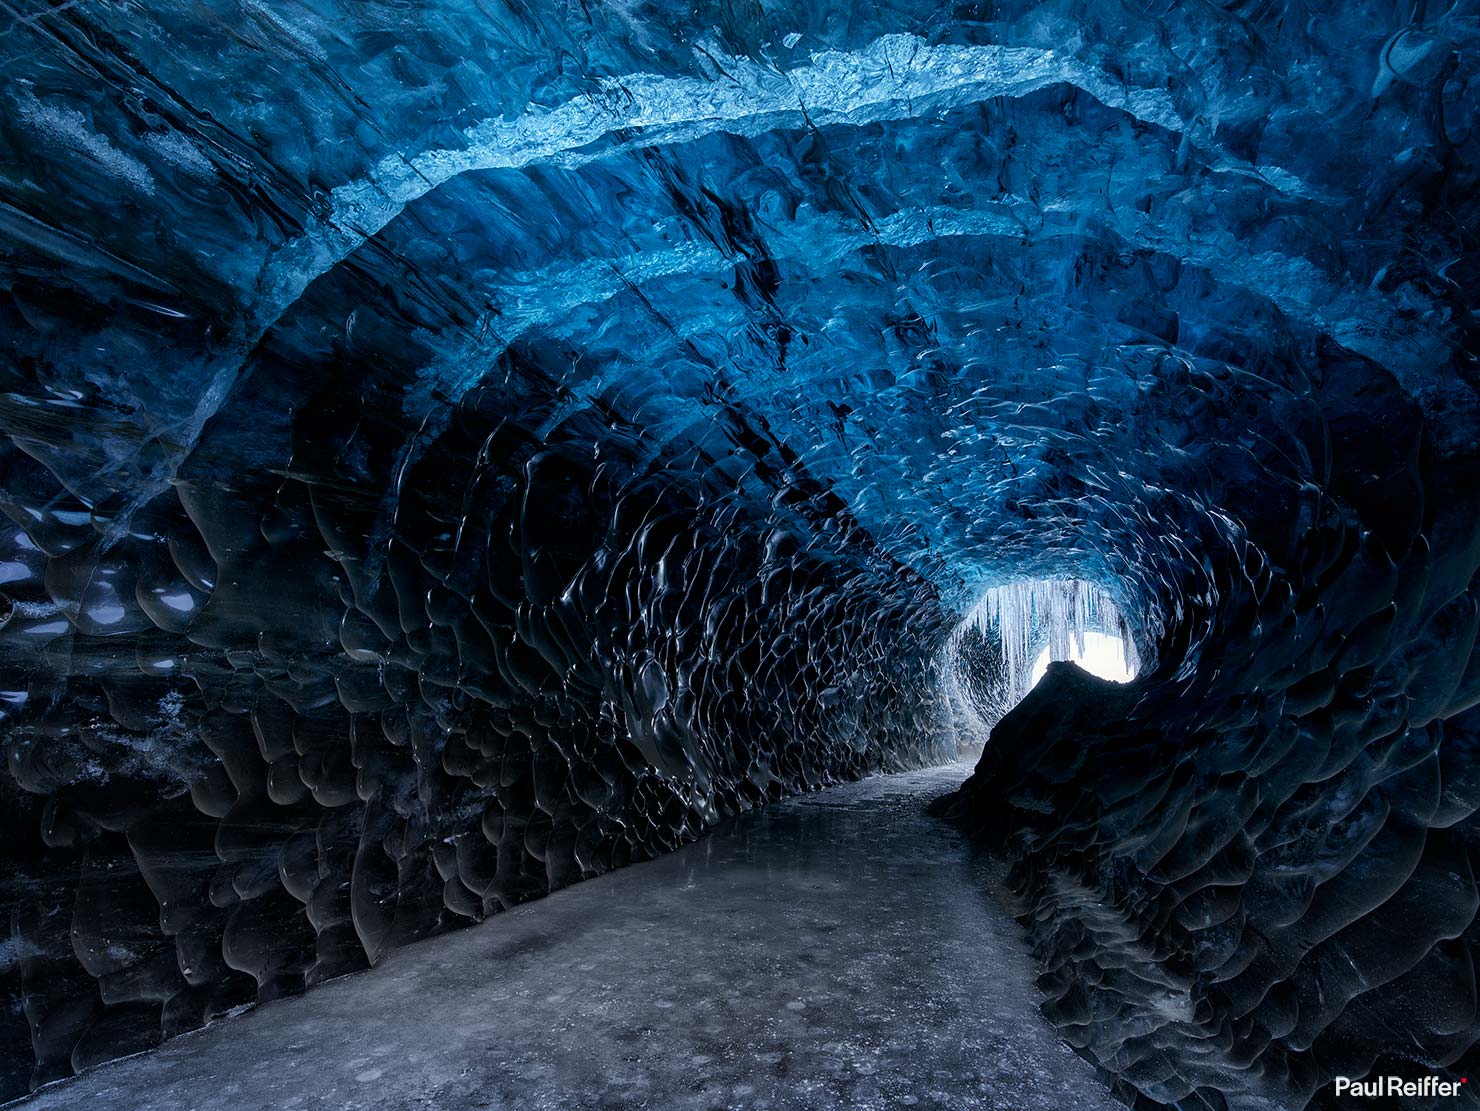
{"x":1002,"y":648}
{"x":453,"y":450}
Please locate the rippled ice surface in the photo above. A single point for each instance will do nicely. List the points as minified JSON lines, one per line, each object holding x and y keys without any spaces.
{"x":450,"y":450}
{"x":836,"y":950}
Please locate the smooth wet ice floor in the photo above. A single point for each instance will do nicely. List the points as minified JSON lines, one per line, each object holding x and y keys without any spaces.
{"x":835,"y":950}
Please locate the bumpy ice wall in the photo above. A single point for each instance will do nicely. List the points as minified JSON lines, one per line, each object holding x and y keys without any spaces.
{"x":452,"y":449}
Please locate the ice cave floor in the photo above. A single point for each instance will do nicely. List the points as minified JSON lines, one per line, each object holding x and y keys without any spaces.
{"x":836,"y":950}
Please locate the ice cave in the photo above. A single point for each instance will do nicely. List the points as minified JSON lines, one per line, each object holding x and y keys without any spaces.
{"x":740,"y":554}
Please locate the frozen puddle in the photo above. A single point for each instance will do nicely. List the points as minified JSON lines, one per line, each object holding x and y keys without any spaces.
{"x":837,"y":950}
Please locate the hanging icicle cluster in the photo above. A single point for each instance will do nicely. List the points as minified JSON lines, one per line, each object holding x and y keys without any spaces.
{"x":990,"y":656}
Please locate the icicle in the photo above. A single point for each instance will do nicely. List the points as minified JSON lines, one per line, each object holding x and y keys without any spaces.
{"x":1026,"y":621}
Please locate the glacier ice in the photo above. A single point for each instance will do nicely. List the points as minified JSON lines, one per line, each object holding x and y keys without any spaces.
{"x":452,"y":450}
{"x":1002,"y":646}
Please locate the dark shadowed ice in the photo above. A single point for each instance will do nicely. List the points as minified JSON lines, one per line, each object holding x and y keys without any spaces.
{"x":835,"y":950}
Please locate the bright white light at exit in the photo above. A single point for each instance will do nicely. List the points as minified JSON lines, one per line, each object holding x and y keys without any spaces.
{"x":1103,"y":655}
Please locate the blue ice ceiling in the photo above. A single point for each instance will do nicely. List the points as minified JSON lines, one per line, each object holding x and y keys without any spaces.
{"x":945,"y":259}
{"x":452,"y":450}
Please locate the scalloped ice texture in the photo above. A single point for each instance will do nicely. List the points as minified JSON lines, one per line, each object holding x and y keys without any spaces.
{"x":455,"y":449}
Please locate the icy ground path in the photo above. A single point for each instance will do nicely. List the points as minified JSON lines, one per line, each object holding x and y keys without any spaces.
{"x":833,"y":951}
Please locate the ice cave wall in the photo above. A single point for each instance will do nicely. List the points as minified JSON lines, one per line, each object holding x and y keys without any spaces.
{"x":1252,"y":870}
{"x":452,"y":449}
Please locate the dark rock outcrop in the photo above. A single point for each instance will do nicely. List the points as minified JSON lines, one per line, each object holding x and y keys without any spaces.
{"x":451,"y":449}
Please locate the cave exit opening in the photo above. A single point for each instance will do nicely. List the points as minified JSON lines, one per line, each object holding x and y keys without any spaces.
{"x":1101,"y":654}
{"x":1001,"y":648}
